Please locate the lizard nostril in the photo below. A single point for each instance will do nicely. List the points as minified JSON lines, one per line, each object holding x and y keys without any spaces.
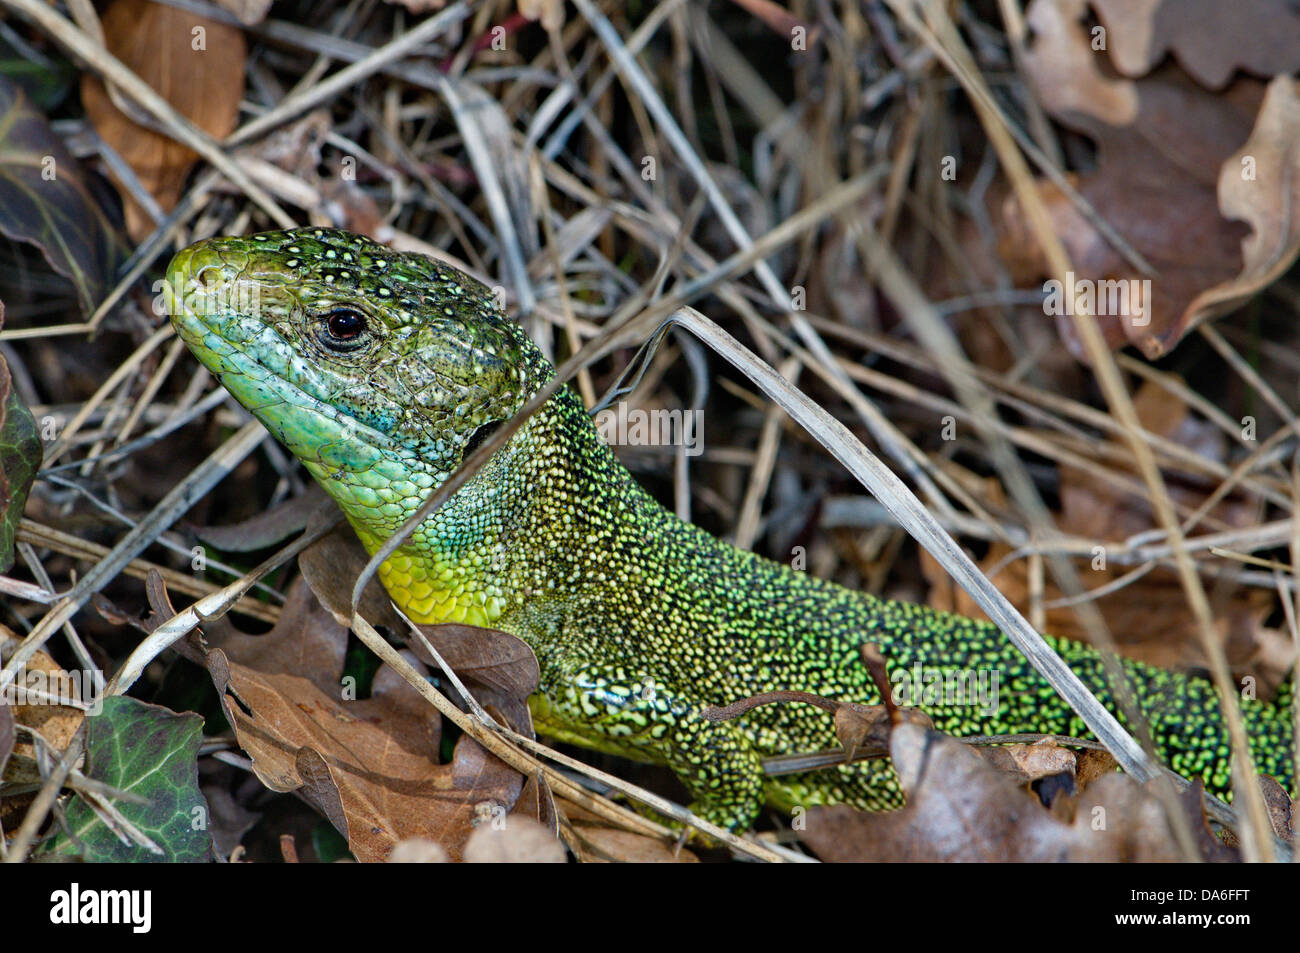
{"x":208,"y":277}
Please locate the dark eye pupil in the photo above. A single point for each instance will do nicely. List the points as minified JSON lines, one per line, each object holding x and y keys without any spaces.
{"x":346,"y":324}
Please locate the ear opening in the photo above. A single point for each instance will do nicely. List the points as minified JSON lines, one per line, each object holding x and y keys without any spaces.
{"x":480,"y":435}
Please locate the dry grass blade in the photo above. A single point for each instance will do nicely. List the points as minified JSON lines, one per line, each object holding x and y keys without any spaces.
{"x":482,"y":123}
{"x":685,"y":152}
{"x":349,"y":76}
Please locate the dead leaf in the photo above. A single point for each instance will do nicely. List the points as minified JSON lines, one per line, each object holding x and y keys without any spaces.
{"x":1028,"y":763}
{"x":1258,"y":36}
{"x":370,"y":766}
{"x":196,"y":64}
{"x":1168,"y":150}
{"x":332,"y":565}
{"x":48,"y":199}
{"x":961,"y":809}
{"x":1066,"y":72}
{"x":861,"y":727}
{"x":1258,"y":185}
{"x":1092,"y":764}
{"x":498,"y":668}
{"x":1281,"y":809}
{"x":229,"y":820}
{"x":57,"y":724}
{"x":537,"y":803}
{"x":355,"y":208}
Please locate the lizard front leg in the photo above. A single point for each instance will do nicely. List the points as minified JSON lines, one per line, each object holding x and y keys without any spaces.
{"x":610,"y":708}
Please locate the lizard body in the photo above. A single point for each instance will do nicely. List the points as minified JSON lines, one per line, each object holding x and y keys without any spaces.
{"x":381,"y":370}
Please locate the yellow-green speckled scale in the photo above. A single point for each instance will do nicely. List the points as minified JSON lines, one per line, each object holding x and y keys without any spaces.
{"x":381,"y":370}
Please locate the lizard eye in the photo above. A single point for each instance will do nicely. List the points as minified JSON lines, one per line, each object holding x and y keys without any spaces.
{"x":343,"y":329}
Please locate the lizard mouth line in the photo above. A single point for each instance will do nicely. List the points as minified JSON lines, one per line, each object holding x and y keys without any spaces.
{"x":201,"y":327}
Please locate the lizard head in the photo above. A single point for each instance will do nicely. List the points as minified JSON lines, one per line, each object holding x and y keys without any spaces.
{"x":349,"y":352}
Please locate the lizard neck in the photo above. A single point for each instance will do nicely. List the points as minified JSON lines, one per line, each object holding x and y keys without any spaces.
{"x":520,"y":537}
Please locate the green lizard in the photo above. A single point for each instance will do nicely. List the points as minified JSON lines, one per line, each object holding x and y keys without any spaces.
{"x":380,"y":371}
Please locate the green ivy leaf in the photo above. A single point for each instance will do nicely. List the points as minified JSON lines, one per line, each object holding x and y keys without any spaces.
{"x":148,"y":751}
{"x":20,"y":458}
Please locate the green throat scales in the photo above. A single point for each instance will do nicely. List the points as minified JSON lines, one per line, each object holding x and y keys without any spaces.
{"x":382,"y":370}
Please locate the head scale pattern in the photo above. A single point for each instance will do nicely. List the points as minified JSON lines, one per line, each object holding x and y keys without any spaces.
{"x":429,"y":357}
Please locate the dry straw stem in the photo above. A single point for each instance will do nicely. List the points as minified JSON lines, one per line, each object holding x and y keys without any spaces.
{"x":42,"y":804}
{"x":124,"y":370}
{"x":48,"y":537}
{"x":471,"y":108}
{"x":760,"y":475}
{"x":38,"y":570}
{"x":1051,"y":409}
{"x":143,"y":258}
{"x":1250,"y":376}
{"x":374,"y":62}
